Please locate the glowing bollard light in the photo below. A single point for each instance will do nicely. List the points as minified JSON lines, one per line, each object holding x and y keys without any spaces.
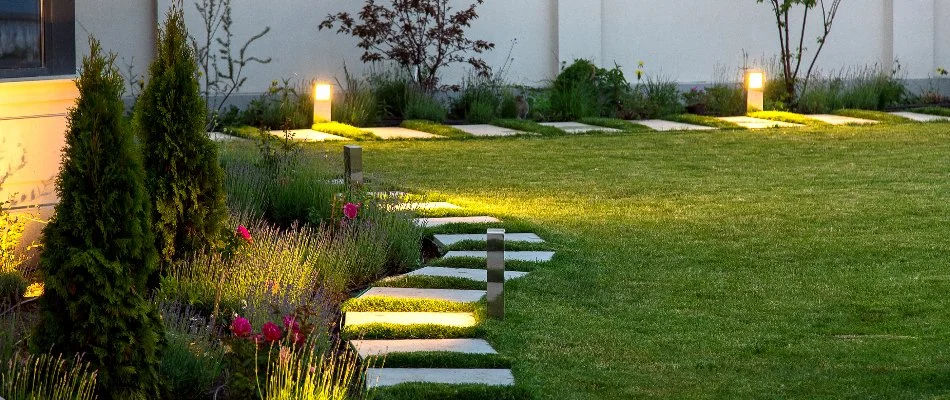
{"x":322,"y":103}
{"x":755,"y":84}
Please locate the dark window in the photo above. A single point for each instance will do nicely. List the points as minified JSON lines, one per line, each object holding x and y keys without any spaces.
{"x":37,"y":38}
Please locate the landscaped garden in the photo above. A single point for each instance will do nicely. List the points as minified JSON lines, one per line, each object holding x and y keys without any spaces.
{"x":792,"y":252}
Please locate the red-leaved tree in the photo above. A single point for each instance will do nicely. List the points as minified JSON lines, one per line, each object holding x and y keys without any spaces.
{"x":420,"y":35}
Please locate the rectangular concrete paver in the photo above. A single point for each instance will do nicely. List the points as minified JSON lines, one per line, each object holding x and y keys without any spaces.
{"x":758,"y":123}
{"x":435,"y":222}
{"x":459,"y":319}
{"x":455,"y":295}
{"x":448,"y":240}
{"x":379,"y":377}
{"x":840,"y":119}
{"x":425,"y":206}
{"x":401,"y":133}
{"x":663,"y":125}
{"x":920,"y":117}
{"x":309,"y":135}
{"x":220,"y":137}
{"x":577,"y":127}
{"x":367,"y":348}
{"x":484,"y":130}
{"x":479,"y":275}
{"x":536,"y":256}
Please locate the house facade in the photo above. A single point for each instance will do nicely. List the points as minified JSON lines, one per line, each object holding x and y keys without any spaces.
{"x":691,"y":41}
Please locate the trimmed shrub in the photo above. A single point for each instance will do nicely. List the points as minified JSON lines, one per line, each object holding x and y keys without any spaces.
{"x":181,"y":162}
{"x":100,"y":249}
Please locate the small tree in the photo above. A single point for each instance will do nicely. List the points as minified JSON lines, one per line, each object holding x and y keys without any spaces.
{"x":181,"y":162}
{"x":99,"y":247}
{"x":420,"y":35}
{"x":792,"y":54}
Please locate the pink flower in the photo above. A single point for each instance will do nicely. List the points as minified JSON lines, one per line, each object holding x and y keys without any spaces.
{"x":298,"y":337}
{"x":291,"y":324}
{"x":271,"y":332}
{"x":350,"y":210}
{"x":241,"y":327}
{"x":244,"y":234}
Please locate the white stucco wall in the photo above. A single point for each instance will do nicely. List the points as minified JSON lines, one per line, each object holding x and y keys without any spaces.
{"x":686,"y":40}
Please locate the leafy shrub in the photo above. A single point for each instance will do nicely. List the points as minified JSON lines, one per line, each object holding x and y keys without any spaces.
{"x":575,"y":93}
{"x":421,"y":106}
{"x":193,"y":358}
{"x":391,"y":88}
{"x":100,"y":246}
{"x":868,"y":88}
{"x":358,"y":105}
{"x":282,"y":106}
{"x":12,"y":287}
{"x":181,"y":162}
{"x":47,"y":377}
{"x":12,"y":253}
{"x":725,"y":100}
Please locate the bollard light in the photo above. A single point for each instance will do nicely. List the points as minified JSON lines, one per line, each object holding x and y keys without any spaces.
{"x":755,"y":85}
{"x":322,"y":102}
{"x":495,"y":293}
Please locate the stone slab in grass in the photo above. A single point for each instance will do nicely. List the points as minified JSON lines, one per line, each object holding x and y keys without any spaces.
{"x":485,"y":130}
{"x":401,"y":133}
{"x":457,"y":319}
{"x":479,"y":275}
{"x":533,"y":256}
{"x":841,"y":120}
{"x":664,"y":126}
{"x":920,"y":117}
{"x":220,"y":137}
{"x":309,"y":135}
{"x":456,"y":295}
{"x":367,"y":348}
{"x":435,"y":222}
{"x":380,"y":377}
{"x":448,"y":240}
{"x":426,"y":206}
{"x":577,"y":127}
{"x":387,"y":195}
{"x":758,"y":123}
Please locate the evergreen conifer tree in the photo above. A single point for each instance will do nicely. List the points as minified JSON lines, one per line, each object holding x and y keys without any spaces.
{"x":183,"y":177}
{"x":99,"y":246}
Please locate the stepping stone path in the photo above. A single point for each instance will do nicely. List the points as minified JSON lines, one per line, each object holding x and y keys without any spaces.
{"x":533,"y":256}
{"x":368,"y":348}
{"x":663,"y":125}
{"x":448,"y":240}
{"x":382,"y":377}
{"x":841,"y":120}
{"x":454,"y":295}
{"x":401,"y":133}
{"x":220,"y":137}
{"x":577,"y":127}
{"x":485,"y":130}
{"x":758,"y":123}
{"x":920,"y":117}
{"x":309,"y":135}
{"x":436,"y":222}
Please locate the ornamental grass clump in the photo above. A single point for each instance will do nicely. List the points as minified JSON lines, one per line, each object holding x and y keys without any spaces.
{"x":181,"y":162}
{"x":47,"y":377}
{"x":99,"y":247}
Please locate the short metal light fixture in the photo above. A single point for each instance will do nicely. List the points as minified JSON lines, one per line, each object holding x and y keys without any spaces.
{"x":322,"y":102}
{"x":755,"y":84}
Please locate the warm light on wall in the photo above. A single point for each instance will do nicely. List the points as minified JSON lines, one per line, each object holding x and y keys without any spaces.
{"x":755,"y":83}
{"x":322,"y":102}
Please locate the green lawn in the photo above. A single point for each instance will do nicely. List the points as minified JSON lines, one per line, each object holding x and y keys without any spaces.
{"x":743,"y":264}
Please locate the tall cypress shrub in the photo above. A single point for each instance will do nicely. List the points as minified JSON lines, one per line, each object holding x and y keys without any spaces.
{"x":99,"y":246}
{"x":181,"y":162}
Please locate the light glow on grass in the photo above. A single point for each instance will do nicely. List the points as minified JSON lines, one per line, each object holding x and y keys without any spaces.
{"x":461,"y":320}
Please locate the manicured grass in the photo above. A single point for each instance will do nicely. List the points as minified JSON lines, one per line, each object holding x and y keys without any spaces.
{"x":873,"y":115}
{"x":244,"y":131}
{"x":445,"y":212}
{"x":426,"y":331}
{"x":347,"y":131}
{"x":509,"y":246}
{"x":431,"y":282}
{"x":507,"y":225}
{"x":939,"y":111}
{"x":785,"y":116}
{"x":615,"y":123}
{"x":435,"y":128}
{"x":528,"y":126}
{"x":429,"y":391}
{"x":785,"y":263}
{"x":480,"y":263}
{"x":703,"y":120}
{"x":440,"y":359}
{"x":387,"y":304}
